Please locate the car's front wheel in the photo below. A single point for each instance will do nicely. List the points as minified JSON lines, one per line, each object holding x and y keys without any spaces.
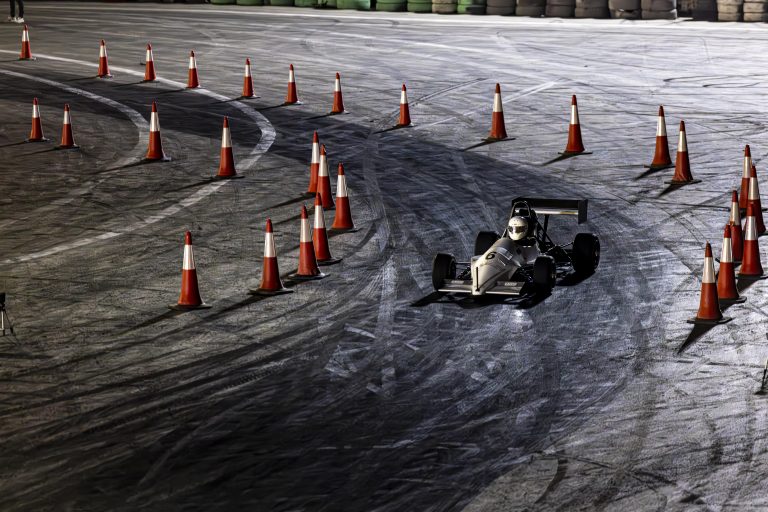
{"x":443,"y":267}
{"x":586,"y":253}
{"x":544,"y":274}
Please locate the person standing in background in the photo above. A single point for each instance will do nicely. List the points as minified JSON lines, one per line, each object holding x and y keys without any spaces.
{"x":20,"y":17}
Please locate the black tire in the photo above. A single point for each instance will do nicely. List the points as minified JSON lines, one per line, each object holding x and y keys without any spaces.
{"x":544,"y":274}
{"x":484,"y":241}
{"x":443,"y":267}
{"x":586,"y":253}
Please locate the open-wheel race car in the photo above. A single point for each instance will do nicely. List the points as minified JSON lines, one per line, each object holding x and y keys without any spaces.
{"x":524,"y":259}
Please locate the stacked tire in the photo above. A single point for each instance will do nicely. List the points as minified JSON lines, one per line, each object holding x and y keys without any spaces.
{"x":444,"y":6}
{"x":226,"y":2}
{"x":704,"y":10}
{"x":391,"y":5}
{"x":250,"y":2}
{"x":729,"y":10}
{"x":755,"y":10}
{"x":360,"y":5}
{"x":304,"y":3}
{"x":659,"y":9}
{"x":470,"y":7}
{"x":560,"y":8}
{"x":624,"y":9}
{"x":500,"y":7}
{"x":419,"y":5}
{"x":591,"y":9}
{"x":530,"y":8}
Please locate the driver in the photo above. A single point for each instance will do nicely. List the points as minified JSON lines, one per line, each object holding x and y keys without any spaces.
{"x":517,"y":228}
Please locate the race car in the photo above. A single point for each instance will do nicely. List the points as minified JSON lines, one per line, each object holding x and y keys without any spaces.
{"x":524,"y":259}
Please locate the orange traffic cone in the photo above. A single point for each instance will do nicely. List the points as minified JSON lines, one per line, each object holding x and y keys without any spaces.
{"x":751,"y":266}
{"x":709,"y":306}
{"x":324,"y":181}
{"x":661,"y":158}
{"x":192,"y":81}
{"x":308,"y":268}
{"x":292,"y":96}
{"x":737,"y":240}
{"x":103,"y":62}
{"x":338,"y":101}
{"x":67,"y":139}
{"x":155,"y":150}
{"x":343,"y":219}
{"x":745,"y":178}
{"x":227,"y":159}
{"x":320,"y":236}
{"x":36,"y":134}
{"x":270,"y":275}
{"x":682,"y":174}
{"x":149,"y":69}
{"x":314,"y":165}
{"x":26,"y":50}
{"x":498,"y":129}
{"x":574,"y":146}
{"x":726,"y":277}
{"x":247,"y":80}
{"x":189,"y":298}
{"x":405,"y":112}
{"x":754,"y":199}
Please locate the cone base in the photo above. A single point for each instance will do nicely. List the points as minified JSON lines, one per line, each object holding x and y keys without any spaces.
{"x":36,"y":140}
{"x":165,"y":158}
{"x":673,"y":182}
{"x":288,"y":103}
{"x":235,"y":177}
{"x":248,"y":97}
{"x":331,"y":261}
{"x":147,"y":81}
{"x":332,"y":113}
{"x":74,"y":146}
{"x":182,"y":307}
{"x":269,"y":293}
{"x":409,"y":125}
{"x":193,"y":87}
{"x":344,"y":230}
{"x":103,"y":76}
{"x":659,"y":167}
{"x":298,"y":277}
{"x":27,"y":58}
{"x":746,"y":277}
{"x":701,"y":321}
{"x":496,"y":139}
{"x":738,"y":300}
{"x":574,"y":153}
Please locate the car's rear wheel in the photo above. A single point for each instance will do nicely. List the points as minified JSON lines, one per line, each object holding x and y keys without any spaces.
{"x":443,"y":267}
{"x":586,"y":253}
{"x":484,"y":241}
{"x":544,"y":274}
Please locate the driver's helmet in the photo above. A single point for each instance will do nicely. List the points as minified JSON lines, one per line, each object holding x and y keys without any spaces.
{"x":517,"y":228}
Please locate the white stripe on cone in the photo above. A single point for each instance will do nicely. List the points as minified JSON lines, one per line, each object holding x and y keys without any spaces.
{"x":67,"y":119}
{"x":319,"y":217}
{"x":315,"y":153}
{"x":247,"y":70}
{"x":35,"y":111}
{"x":754,"y":190}
{"x":709,"y":271}
{"x":291,"y":78}
{"x":574,"y":114}
{"x":735,"y":214}
{"x":323,"y":171}
{"x":341,"y":186}
{"x":192,"y":62}
{"x":403,"y":97}
{"x":337,"y":85}
{"x":226,"y":138}
{"x":726,"y":256}
{"x":154,"y":122}
{"x":497,"y":103}
{"x":682,"y":143}
{"x":747,"y":166}
{"x":750,"y":228}
{"x":189,"y":258}
{"x":306,"y":231}
{"x":149,"y":55}
{"x":269,"y":245}
{"x":102,"y":51}
{"x":25,"y":35}
{"x":661,"y":127}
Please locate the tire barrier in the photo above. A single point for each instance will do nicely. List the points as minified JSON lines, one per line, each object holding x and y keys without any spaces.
{"x":658,"y":9}
{"x":755,"y":10}
{"x":419,"y":6}
{"x":560,"y":8}
{"x":250,"y":2}
{"x":500,"y":7}
{"x":533,"y":8}
{"x":591,"y":9}
{"x":444,"y":6}
{"x":391,"y":5}
{"x":624,"y":9}
{"x":729,"y":10}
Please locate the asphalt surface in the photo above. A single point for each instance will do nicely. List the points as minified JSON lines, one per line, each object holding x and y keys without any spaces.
{"x":367,"y":391}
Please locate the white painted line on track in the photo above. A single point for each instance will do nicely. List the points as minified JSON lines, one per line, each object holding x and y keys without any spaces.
{"x":267,"y":138}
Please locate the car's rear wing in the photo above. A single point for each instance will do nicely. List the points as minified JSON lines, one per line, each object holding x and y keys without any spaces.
{"x":576,"y":207}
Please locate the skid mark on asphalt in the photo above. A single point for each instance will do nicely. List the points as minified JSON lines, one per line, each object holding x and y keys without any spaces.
{"x":267,"y":138}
